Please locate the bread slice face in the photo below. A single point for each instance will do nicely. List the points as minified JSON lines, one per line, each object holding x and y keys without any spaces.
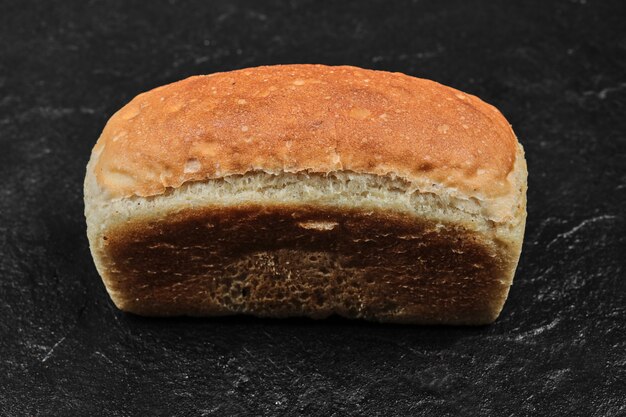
{"x":355,"y":245}
{"x":305,"y":190}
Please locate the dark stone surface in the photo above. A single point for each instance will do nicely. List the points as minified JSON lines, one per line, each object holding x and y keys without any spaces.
{"x":556,"y":69}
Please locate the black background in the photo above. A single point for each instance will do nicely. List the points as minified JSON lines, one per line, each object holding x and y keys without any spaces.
{"x":557,"y":70}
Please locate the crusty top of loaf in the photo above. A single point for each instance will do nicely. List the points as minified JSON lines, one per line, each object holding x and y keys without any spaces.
{"x":293,"y":118}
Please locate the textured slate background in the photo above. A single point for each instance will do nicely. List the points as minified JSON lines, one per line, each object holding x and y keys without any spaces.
{"x":556,"y":69}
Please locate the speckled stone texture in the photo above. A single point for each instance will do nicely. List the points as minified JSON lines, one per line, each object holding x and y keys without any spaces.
{"x":557,"y":70}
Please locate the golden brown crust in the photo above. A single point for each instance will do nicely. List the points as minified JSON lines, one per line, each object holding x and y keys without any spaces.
{"x":279,"y":261}
{"x":305,"y":118}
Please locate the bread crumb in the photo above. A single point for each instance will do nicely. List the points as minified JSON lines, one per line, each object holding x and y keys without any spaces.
{"x":318,"y":225}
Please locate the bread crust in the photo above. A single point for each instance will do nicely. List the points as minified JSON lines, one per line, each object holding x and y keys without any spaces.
{"x":315,"y":118}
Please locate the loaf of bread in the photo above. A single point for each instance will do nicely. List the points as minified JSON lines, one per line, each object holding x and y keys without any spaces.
{"x":308,"y":190}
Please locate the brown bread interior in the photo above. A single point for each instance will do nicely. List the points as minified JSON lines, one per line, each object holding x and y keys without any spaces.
{"x":299,"y":260}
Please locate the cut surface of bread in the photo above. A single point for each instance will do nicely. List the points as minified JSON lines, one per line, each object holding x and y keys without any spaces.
{"x":297,"y":226}
{"x":359,"y":246}
{"x":297,"y":260}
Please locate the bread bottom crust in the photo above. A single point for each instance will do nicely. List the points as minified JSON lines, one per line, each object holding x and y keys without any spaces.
{"x":282,"y":261}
